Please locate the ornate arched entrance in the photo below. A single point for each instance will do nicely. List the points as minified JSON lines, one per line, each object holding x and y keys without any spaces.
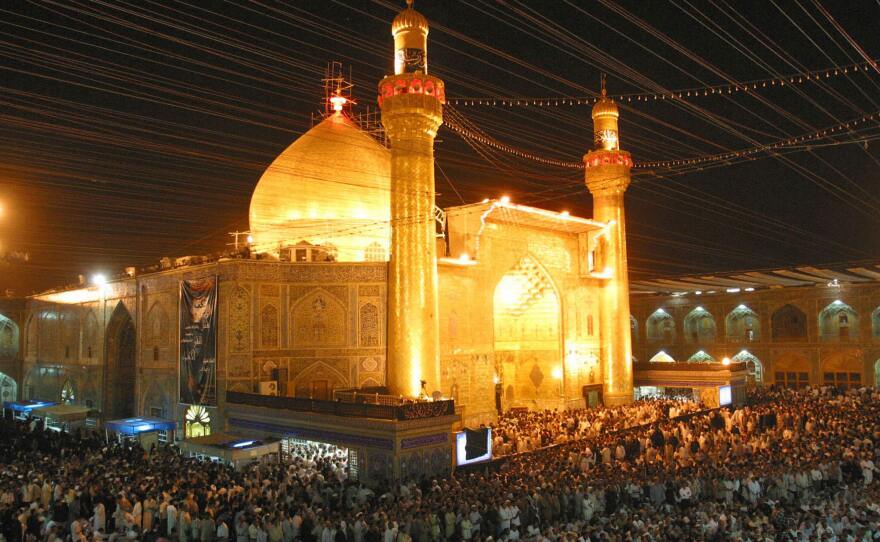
{"x":526,"y":315}
{"x":119,"y":385}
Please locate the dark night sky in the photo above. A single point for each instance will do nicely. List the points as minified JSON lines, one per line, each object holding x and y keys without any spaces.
{"x":133,"y":130}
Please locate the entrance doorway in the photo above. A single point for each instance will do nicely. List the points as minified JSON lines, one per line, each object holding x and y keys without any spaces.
{"x":119,"y":392}
{"x":320,"y":389}
{"x":527,"y":335}
{"x":198,"y":421}
{"x":593,"y":396}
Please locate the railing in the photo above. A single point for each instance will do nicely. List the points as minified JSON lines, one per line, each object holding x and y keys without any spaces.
{"x":374,"y":398}
{"x":406,"y":411}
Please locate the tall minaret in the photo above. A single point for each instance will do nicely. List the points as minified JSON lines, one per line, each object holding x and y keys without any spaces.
{"x":411,"y":103}
{"x":607,"y":177}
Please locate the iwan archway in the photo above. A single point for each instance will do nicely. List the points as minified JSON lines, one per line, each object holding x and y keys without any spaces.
{"x":119,"y":383}
{"x":526,"y":312}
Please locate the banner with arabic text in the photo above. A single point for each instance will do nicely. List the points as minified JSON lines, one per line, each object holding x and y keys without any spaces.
{"x":198,"y":341}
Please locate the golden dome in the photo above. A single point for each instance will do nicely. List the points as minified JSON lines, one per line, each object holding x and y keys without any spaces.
{"x":409,"y":19}
{"x":605,"y":107}
{"x":331,"y":187}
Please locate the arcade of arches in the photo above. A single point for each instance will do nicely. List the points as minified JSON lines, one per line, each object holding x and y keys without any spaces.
{"x":790,"y":336}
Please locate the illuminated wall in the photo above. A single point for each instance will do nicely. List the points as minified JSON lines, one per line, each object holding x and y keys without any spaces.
{"x":526,"y":321}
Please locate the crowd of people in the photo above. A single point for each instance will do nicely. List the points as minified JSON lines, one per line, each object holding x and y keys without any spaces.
{"x":523,"y":430}
{"x":793,"y":465}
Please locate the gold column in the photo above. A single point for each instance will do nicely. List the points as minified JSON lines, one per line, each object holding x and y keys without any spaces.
{"x":411,"y":120}
{"x":607,"y":177}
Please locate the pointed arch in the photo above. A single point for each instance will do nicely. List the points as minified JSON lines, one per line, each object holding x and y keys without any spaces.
{"x":699,"y":327}
{"x":701,"y":357}
{"x":318,"y":319}
{"x":662,"y":357}
{"x":156,"y":398}
{"x":788,"y":323}
{"x":633,"y":328}
{"x":527,"y":323}
{"x":68,"y":392}
{"x":742,"y":325}
{"x":756,"y":369}
{"x":319,"y":380}
{"x":197,"y":421}
{"x":838,"y":322}
{"x":660,"y":327}
{"x":370,"y":383}
{"x":157,"y":325}
{"x":8,"y":337}
{"x":119,"y":390}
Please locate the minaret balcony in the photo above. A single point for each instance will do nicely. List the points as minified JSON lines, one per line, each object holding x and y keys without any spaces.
{"x":411,"y":83}
{"x":603,"y":157}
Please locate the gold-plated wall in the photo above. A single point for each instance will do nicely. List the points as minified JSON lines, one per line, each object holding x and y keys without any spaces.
{"x":607,"y":182}
{"x":411,"y":122}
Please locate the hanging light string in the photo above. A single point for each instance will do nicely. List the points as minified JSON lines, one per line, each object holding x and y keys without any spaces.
{"x":829,"y":131}
{"x":456,"y":122}
{"x":744,"y":87}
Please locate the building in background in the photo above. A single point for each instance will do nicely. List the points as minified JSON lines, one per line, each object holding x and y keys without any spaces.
{"x":793,"y":327}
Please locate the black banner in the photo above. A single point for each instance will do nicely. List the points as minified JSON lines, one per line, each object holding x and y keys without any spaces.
{"x":198,"y":341}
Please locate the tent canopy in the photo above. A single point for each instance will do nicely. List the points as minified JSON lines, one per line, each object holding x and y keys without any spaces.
{"x":63,"y":413}
{"x":143,"y":424}
{"x":27,"y":406}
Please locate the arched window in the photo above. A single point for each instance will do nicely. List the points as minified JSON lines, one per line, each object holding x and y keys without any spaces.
{"x":198,"y":421}
{"x":68,"y":394}
{"x":633,"y":328}
{"x":699,"y":327}
{"x":756,"y":369}
{"x":838,"y":322}
{"x":742,"y":325}
{"x":788,"y":323}
{"x":660,"y":327}
{"x":701,"y":357}
{"x":877,"y":374}
{"x":662,"y":357}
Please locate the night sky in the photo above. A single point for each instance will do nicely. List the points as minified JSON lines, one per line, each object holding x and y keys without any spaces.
{"x":133,"y":130}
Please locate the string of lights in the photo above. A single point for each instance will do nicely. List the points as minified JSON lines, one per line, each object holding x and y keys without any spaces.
{"x":744,"y":87}
{"x":454,"y":124}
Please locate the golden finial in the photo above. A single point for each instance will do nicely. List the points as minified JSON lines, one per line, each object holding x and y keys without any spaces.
{"x":603,"y":80}
{"x":409,"y":3}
